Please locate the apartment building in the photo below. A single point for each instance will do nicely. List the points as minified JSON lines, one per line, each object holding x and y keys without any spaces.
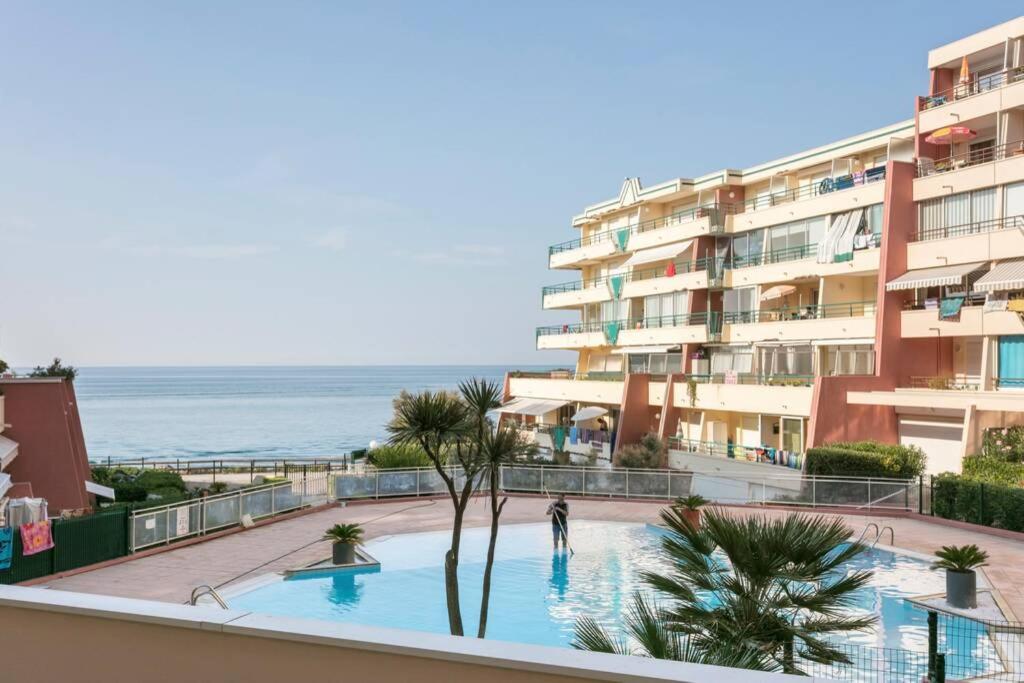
{"x":867,"y":288}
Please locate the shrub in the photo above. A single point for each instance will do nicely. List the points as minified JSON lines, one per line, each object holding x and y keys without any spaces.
{"x":398,"y":456}
{"x":866,"y":459}
{"x":960,"y":558}
{"x":648,"y":454}
{"x":993,"y":469}
{"x":1006,"y":443}
{"x":4,"y":367}
{"x":969,"y":500}
{"x":55,"y":369}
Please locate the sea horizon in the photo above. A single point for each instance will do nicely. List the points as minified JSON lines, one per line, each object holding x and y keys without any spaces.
{"x":250,"y":411}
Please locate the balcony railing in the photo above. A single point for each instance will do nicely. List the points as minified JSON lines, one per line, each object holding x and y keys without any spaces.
{"x":681,"y":267}
{"x":972,"y":157}
{"x":977,"y":86}
{"x":826,"y":186}
{"x":799,"y":253}
{"x":626,"y":324}
{"x":714,"y":211}
{"x":762,"y":454}
{"x":942,"y":383}
{"x":853,"y":309}
{"x":975,"y":228}
{"x":771,"y":380}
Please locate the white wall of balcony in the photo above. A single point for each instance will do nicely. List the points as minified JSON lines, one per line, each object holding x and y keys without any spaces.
{"x":579,"y":297}
{"x":1001,"y":172}
{"x":682,"y":334}
{"x":572,"y":258}
{"x":985,"y":246}
{"x":798,"y":330}
{"x":963,"y":110}
{"x":747,"y":398}
{"x":864,"y":261}
{"x":820,"y":205}
{"x":660,"y":285}
{"x":592,"y":391}
{"x":669,"y":234}
{"x":973,"y":322}
{"x":577,"y":340}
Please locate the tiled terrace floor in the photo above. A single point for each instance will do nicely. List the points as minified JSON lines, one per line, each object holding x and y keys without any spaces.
{"x":170,"y":576}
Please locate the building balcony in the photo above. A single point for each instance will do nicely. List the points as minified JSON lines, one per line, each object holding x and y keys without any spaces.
{"x":748,"y":393}
{"x":946,"y":398}
{"x":713,"y":457}
{"x":705,"y":220}
{"x":607,"y":391}
{"x":966,"y":101}
{"x":848,"y":320}
{"x":691,"y":328}
{"x":971,"y":170}
{"x":999,"y":238}
{"x":798,"y":263}
{"x":974,"y":321}
{"x":829,"y":196}
{"x":690,"y":274}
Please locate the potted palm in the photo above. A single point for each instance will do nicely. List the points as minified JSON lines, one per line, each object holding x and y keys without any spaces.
{"x":344,"y":537}
{"x":689,"y":507}
{"x":961,"y":579}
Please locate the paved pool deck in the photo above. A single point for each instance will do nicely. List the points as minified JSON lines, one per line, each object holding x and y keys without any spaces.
{"x":170,"y":576}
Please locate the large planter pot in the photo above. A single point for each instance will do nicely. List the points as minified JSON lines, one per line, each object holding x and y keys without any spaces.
{"x":691,"y":516}
{"x":343,"y":553}
{"x":962,"y":589}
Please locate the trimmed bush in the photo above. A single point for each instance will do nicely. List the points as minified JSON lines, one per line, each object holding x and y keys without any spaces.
{"x":969,"y":500}
{"x":398,"y":457}
{"x":866,"y":459}
{"x":160,"y":480}
{"x":993,"y":469}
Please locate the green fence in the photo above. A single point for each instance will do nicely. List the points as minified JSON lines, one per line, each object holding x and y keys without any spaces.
{"x":78,"y":542}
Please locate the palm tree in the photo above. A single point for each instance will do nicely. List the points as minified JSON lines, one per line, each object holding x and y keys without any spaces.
{"x":753,"y":593}
{"x":499,"y":447}
{"x":450,"y":428}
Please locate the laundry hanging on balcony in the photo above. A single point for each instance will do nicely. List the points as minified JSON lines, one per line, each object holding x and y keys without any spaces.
{"x":6,"y":547}
{"x":837,"y":244}
{"x":615,"y":285}
{"x":611,"y":333}
{"x":949,"y":308}
{"x":622,"y":238}
{"x":36,"y":537}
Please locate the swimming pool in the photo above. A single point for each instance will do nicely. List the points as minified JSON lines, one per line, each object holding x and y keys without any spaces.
{"x":537,"y":595}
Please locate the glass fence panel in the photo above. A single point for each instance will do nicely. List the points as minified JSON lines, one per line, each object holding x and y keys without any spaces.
{"x":355,"y":485}
{"x":223,"y":512}
{"x":563,"y":481}
{"x":648,"y":484}
{"x":606,"y":482}
{"x":401,"y":483}
{"x":521,"y":478}
{"x":258,"y":504}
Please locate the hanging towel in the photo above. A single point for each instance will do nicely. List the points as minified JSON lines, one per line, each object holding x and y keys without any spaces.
{"x":844,"y":242}
{"x":558,"y":436}
{"x":622,"y":239}
{"x":949,"y":307}
{"x":670,"y":269}
{"x":615,"y":285}
{"x":574,"y":435}
{"x":6,"y":547}
{"x":611,"y":332}
{"x":1015,"y":305}
{"x":36,"y":537}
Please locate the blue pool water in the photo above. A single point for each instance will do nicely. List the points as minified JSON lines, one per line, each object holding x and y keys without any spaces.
{"x":537,"y":595}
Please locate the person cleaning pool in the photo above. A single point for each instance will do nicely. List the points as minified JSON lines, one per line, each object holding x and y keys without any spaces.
{"x":559,"y":511}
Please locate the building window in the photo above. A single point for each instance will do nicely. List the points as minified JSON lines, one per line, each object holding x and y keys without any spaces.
{"x":731,"y":359}
{"x":965,"y":208}
{"x":664,"y":310}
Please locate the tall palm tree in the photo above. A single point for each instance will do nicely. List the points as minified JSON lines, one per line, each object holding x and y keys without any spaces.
{"x":751,"y":592}
{"x":500,"y":447}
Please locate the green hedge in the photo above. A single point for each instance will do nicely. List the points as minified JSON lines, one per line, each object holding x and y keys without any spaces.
{"x":969,"y":500}
{"x":398,"y":457}
{"x":994,"y":470}
{"x":865,"y":459}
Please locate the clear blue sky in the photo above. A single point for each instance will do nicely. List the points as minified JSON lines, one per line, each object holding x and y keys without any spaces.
{"x":208,"y":183}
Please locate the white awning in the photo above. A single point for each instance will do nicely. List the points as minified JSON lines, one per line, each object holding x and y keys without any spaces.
{"x":8,"y":451}
{"x":777,"y":292}
{"x":843,"y":342}
{"x":531,"y":406}
{"x":662,"y":253}
{"x":589,"y":413}
{"x":644,"y":349}
{"x":99,"y":490}
{"x":5,"y":483}
{"x":933,"y":277}
{"x":1004,"y":276}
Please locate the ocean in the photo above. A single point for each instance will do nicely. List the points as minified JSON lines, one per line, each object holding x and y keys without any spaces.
{"x":249,"y":412}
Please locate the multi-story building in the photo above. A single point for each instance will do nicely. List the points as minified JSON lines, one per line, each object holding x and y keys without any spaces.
{"x":866,"y":288}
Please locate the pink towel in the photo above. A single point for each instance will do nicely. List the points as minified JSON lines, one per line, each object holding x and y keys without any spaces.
{"x":36,"y":537}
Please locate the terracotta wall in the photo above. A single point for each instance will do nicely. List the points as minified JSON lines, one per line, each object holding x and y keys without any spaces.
{"x":44,"y":420}
{"x":634,"y":416}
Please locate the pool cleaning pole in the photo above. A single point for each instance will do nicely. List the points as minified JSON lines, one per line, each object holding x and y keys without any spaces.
{"x":565,"y":533}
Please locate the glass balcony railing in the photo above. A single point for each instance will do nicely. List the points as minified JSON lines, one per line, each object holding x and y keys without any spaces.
{"x":826,"y":186}
{"x":977,"y":86}
{"x":714,"y":211}
{"x":804,"y":251}
{"x":853,"y":309}
{"x":678,"y":268}
{"x":681,"y":320}
{"x":975,"y":228}
{"x":771,"y":380}
{"x":762,"y":454}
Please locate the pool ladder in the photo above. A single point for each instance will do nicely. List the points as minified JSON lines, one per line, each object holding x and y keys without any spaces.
{"x":878,"y":534}
{"x":200,"y":591}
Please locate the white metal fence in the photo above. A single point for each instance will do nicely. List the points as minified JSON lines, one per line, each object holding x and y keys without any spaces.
{"x":177,"y":521}
{"x":782,"y":489}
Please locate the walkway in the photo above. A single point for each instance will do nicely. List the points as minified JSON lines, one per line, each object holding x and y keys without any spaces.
{"x":170,"y":576}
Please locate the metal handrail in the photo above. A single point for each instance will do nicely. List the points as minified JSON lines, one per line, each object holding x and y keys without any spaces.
{"x":892,"y":535}
{"x":852,"y":309}
{"x":826,"y":186}
{"x":625,"y":324}
{"x":865,"y":532}
{"x":974,"y":228}
{"x":975,"y":157}
{"x":977,"y":86}
{"x":681,"y":267}
{"x":206,"y":589}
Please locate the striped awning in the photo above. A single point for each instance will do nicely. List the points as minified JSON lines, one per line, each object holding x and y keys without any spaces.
{"x":662,"y":253}
{"x":530,"y":406}
{"x":938,"y":276}
{"x":1004,"y":276}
